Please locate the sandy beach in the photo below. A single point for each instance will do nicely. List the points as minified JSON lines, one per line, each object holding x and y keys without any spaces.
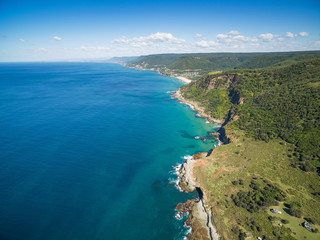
{"x":186,"y":80}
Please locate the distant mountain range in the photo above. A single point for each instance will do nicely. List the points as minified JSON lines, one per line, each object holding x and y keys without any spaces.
{"x":198,"y":64}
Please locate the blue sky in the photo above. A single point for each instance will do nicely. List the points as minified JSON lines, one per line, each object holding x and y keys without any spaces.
{"x":51,"y":30}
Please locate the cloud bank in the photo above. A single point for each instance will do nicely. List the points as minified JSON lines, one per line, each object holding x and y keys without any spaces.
{"x":155,"y":38}
{"x":57,"y":38}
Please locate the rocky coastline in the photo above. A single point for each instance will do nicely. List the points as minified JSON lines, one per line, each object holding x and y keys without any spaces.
{"x":199,"y":213}
{"x":196,"y":107}
{"x":200,"y":217}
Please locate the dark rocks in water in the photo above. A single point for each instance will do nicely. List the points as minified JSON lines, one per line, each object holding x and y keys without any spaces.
{"x":185,"y":207}
{"x":181,"y":207}
{"x":216,"y":134}
{"x":184,"y":187}
{"x":190,"y":146}
{"x":185,"y":134}
{"x":156,"y":182}
{"x":199,"y":230}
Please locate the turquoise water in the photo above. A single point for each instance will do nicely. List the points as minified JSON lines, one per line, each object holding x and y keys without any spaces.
{"x":87,"y":151}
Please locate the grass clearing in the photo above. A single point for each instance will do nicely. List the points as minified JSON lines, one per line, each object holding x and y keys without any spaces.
{"x":295,"y":224}
{"x":247,"y":159}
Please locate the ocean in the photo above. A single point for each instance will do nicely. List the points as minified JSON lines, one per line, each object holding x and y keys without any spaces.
{"x":87,"y":152}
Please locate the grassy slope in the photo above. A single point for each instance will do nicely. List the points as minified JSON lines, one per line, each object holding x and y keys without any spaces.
{"x":277,"y":102}
{"x":248,"y":158}
{"x":292,"y":91}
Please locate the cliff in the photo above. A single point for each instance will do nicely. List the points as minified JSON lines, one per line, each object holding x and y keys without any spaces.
{"x":270,"y":124}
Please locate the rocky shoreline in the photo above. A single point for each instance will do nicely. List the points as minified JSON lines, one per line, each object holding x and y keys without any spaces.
{"x":200,"y":214}
{"x":195,"y":106}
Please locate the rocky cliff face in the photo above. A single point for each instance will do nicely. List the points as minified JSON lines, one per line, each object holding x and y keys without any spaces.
{"x":219,"y":82}
{"x":200,"y":214}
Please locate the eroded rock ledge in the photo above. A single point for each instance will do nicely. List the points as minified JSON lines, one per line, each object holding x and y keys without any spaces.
{"x":200,"y":215}
{"x":195,"y":106}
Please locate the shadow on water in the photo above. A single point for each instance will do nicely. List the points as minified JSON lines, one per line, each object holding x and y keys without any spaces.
{"x":156,"y":182}
{"x":165,"y":182}
{"x":167,"y":150}
{"x":161,"y":186}
{"x":185,"y":134}
{"x":190,"y":146}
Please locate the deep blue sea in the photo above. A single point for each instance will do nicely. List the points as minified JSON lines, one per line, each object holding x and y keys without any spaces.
{"x":87,"y":149}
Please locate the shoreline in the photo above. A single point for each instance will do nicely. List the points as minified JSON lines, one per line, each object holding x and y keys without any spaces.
{"x":194,"y":106}
{"x":184,"y":79}
{"x":200,"y":214}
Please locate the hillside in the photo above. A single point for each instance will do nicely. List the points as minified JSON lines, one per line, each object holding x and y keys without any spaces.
{"x":272,"y":118}
{"x":196,"y":64}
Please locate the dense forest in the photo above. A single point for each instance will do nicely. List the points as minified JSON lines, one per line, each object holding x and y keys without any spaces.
{"x":207,"y":62}
{"x":275,"y":102}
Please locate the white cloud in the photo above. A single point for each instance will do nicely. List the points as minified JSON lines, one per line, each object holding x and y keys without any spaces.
{"x":245,"y":39}
{"x":240,"y":38}
{"x":300,"y":34}
{"x":290,"y":35}
{"x":223,"y":37}
{"x":234,"y":37}
{"x":91,"y":48}
{"x":149,"y":40}
{"x":267,"y":37}
{"x":206,"y":44}
{"x":233,"y":32}
{"x":232,"y":41}
{"x":255,"y":44}
{"x":57,"y":38}
{"x":21,"y":40}
{"x":303,"y":34}
{"x":42,"y":50}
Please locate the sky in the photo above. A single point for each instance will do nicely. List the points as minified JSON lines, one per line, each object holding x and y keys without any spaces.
{"x":72,"y":30}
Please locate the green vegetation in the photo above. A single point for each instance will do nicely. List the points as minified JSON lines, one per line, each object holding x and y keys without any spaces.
{"x":272,"y":117}
{"x":213,"y":95}
{"x":258,"y":164}
{"x":262,"y":195}
{"x":203,"y":63}
{"x":277,"y":102}
{"x":294,"y":209}
{"x":159,"y":60}
{"x":295,"y":224}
